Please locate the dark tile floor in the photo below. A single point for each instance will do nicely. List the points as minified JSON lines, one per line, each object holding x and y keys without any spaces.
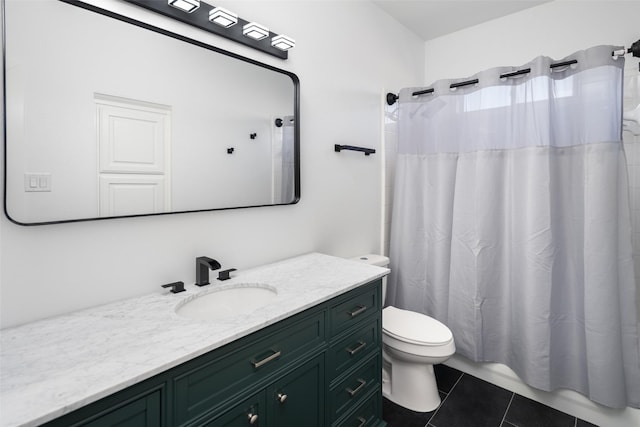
{"x":468,"y":401}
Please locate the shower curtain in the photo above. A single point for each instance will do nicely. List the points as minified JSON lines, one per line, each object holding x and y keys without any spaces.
{"x":511,"y":223}
{"x":288,"y":160}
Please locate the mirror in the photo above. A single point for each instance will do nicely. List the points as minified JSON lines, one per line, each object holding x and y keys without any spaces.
{"x":108,"y":117}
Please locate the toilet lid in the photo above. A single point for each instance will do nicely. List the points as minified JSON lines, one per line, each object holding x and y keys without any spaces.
{"x":414,"y":327}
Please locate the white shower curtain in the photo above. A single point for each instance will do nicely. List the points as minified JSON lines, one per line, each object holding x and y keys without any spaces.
{"x":288,"y":160}
{"x":511,"y":223}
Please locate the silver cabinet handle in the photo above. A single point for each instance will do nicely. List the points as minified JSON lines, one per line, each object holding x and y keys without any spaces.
{"x":266,"y":359}
{"x":353,"y":351}
{"x":357,"y":389}
{"x":253,"y":418}
{"x":359,"y":310}
{"x":362,"y":420}
{"x":282,"y":397}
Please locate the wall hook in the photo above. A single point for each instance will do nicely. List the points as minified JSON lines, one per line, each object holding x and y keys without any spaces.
{"x":230,"y":150}
{"x":253,"y":135}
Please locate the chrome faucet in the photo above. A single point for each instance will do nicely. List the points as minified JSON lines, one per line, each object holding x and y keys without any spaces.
{"x":203,"y":265}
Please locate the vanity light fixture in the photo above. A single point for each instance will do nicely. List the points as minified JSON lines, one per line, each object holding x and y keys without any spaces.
{"x":223,"y":17}
{"x":185,"y":5}
{"x":221,"y":22}
{"x":283,"y":42}
{"x":255,"y":31}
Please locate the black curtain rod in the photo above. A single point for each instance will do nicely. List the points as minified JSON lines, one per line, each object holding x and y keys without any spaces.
{"x":460,"y":84}
{"x":634,"y":50}
{"x":422,"y":92}
{"x":515,"y":73}
{"x":392,"y":97}
{"x":563,"y":64}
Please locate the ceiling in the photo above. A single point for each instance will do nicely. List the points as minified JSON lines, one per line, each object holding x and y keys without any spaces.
{"x":434,"y":18}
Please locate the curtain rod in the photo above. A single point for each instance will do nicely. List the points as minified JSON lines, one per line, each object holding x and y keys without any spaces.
{"x":634,"y":50}
{"x":392,"y":97}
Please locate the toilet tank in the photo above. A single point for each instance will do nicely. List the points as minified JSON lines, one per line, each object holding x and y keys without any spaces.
{"x":379,"y":260}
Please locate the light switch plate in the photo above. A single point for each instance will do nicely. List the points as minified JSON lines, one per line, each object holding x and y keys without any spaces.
{"x":37,"y":182}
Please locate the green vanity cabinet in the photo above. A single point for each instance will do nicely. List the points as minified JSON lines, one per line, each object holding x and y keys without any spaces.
{"x":321,"y":367}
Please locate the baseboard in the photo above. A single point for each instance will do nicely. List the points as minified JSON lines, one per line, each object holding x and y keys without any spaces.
{"x":566,"y":401}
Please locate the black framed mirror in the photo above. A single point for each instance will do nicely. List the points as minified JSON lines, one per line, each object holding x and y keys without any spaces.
{"x":108,"y":117}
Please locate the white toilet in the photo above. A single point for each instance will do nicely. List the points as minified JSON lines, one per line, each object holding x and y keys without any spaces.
{"x":412,"y":343}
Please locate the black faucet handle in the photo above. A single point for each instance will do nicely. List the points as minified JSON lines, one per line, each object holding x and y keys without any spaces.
{"x":224,"y":274}
{"x":175,"y":287}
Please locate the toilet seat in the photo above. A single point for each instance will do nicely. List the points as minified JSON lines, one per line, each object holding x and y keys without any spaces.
{"x":414,"y":328}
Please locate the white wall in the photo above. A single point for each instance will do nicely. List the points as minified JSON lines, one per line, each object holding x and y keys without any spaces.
{"x":554,"y":29}
{"x":346,"y":54}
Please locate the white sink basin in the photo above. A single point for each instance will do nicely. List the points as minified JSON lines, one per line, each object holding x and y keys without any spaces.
{"x":227,"y":302}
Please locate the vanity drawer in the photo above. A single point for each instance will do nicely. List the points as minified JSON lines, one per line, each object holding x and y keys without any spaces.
{"x":210,"y":384}
{"x":366,"y":414}
{"x":355,"y":309}
{"x":356,"y":346}
{"x":351,"y":390}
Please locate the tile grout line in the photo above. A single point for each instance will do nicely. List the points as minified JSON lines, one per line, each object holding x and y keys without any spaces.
{"x":507,"y":410}
{"x":445,"y":399}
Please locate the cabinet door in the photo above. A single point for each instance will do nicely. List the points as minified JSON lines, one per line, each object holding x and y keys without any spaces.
{"x":120,"y":410}
{"x":143,"y":412}
{"x":298,"y":398}
{"x":250,"y":412}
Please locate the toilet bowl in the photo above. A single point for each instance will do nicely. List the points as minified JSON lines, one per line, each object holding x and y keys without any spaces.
{"x":411,"y":344}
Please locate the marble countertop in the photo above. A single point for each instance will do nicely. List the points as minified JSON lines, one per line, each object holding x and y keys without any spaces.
{"x":51,"y":367}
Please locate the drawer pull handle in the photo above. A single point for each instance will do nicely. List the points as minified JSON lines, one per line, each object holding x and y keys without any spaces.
{"x":361,"y":309}
{"x":282,"y":397}
{"x":353,"y":351}
{"x":253,"y":418}
{"x":357,"y":389}
{"x":266,"y":359}
{"x":362,"y":420}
